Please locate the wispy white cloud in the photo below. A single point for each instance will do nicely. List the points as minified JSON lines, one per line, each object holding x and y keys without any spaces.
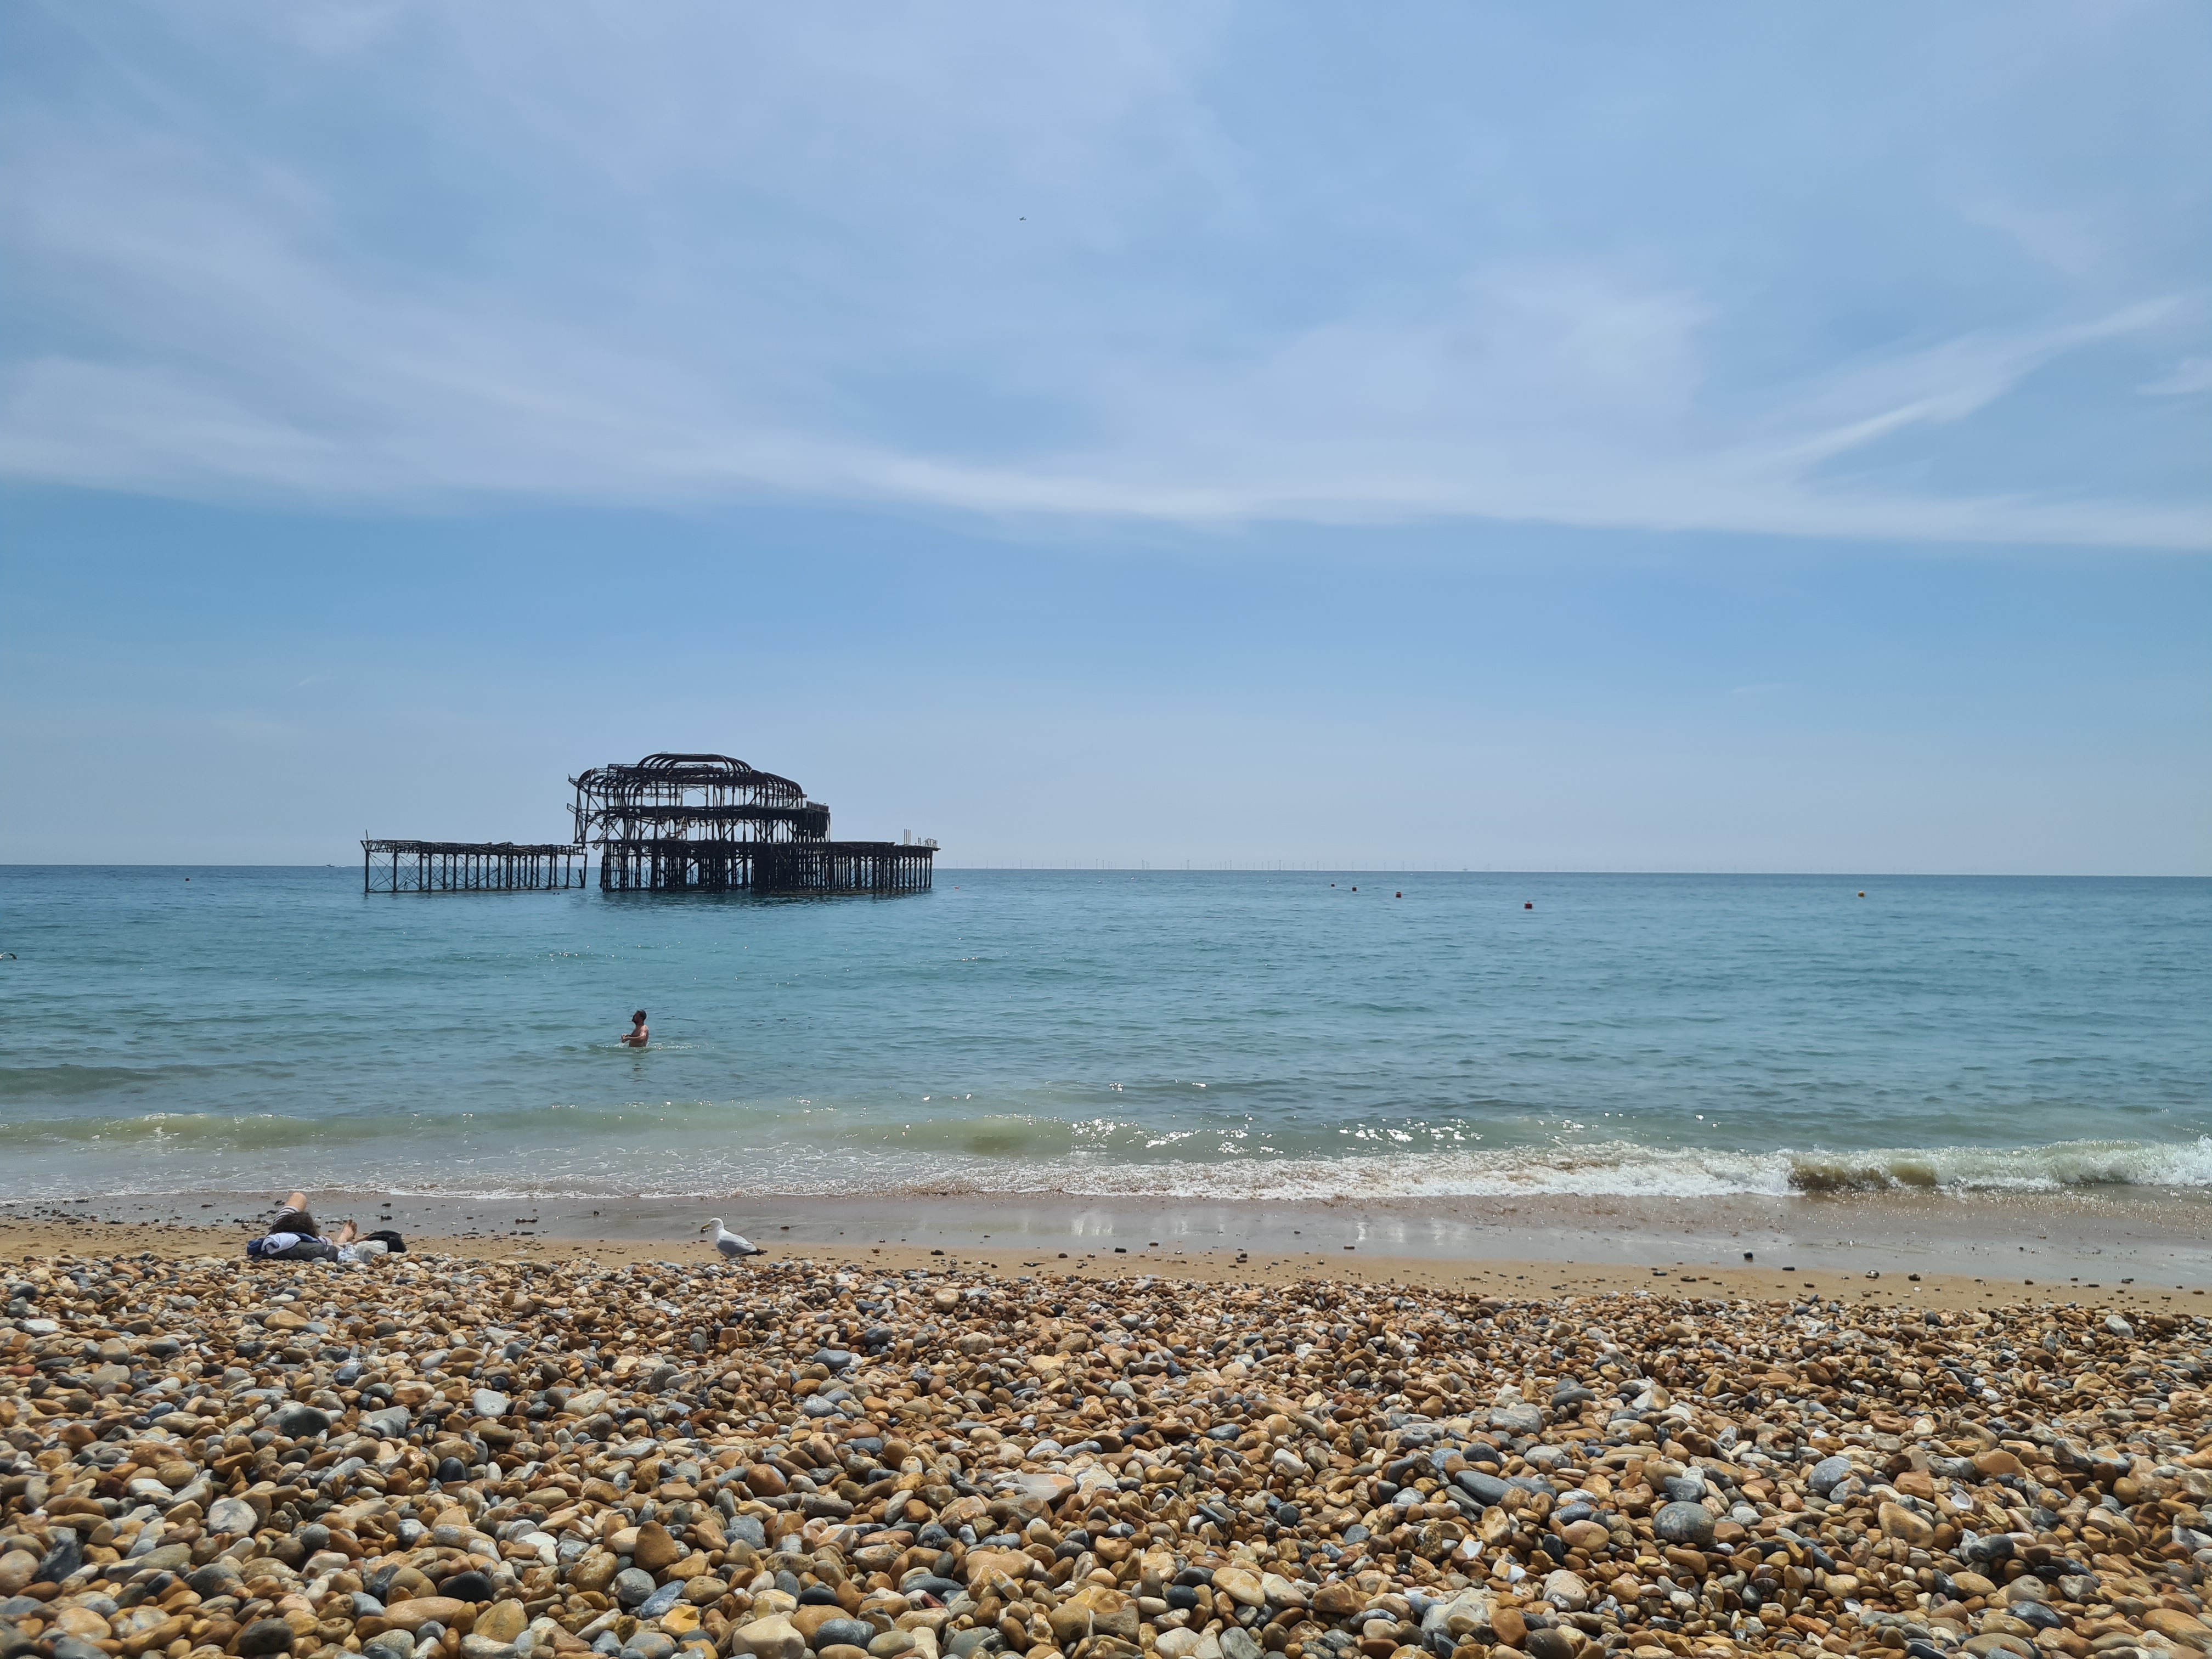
{"x":2187,"y":377}
{"x":998,"y":264}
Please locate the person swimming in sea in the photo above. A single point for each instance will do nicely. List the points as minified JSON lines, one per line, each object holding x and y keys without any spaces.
{"x":639,"y":1030}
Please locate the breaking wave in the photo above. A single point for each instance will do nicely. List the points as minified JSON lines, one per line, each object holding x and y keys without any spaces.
{"x":697,"y":1147}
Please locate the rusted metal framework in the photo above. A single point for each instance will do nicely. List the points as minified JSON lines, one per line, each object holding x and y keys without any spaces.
{"x":712,"y":824}
{"x":468,"y":867}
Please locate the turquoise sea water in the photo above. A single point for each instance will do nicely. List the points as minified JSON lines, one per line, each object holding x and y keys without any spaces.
{"x":1110,"y":1032}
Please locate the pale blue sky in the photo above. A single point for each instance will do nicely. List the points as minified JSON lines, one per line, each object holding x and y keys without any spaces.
{"x":1697,"y":437}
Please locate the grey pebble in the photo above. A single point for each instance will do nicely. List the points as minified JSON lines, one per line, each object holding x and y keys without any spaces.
{"x":302,"y":1423}
{"x":1828,"y":1473}
{"x":1684,"y":1523}
{"x":667,"y":1596}
{"x":1488,"y":1489}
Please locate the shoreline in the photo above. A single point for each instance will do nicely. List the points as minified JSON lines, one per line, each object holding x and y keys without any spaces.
{"x":2143,"y":1249}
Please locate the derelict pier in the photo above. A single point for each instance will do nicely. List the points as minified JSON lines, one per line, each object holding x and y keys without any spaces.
{"x":668,"y":824}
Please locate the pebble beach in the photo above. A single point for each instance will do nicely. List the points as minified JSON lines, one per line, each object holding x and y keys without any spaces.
{"x":454,"y":1455}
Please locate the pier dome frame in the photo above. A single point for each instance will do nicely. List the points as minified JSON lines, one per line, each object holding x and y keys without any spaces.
{"x":706,"y":823}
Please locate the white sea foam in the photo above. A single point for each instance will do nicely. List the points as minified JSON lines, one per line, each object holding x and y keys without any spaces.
{"x":1620,"y":1169}
{"x":1609,"y":1170}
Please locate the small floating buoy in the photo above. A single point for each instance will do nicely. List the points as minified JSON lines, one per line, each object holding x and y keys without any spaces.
{"x":1527,"y":907}
{"x":1862,"y":892}
{"x":1397,"y":896}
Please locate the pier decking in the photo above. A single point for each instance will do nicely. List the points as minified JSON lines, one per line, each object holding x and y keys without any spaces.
{"x":881,"y":867}
{"x":468,"y":867}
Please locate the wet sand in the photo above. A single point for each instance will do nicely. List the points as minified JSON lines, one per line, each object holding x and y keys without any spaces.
{"x":2127,"y":1248}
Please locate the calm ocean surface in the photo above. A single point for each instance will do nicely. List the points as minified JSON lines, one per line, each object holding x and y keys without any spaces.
{"x":1110,"y":1032}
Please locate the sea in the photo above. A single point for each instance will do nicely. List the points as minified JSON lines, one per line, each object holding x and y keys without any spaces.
{"x":1218,"y":1035}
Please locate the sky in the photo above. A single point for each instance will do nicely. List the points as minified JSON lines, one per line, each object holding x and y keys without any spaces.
{"x":1715,"y":437}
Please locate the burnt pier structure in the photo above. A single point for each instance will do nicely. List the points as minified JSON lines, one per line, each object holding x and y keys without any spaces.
{"x":713,"y":823}
{"x":701,"y":823}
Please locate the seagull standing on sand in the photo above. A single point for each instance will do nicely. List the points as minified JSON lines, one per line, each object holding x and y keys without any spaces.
{"x":732,"y":1247}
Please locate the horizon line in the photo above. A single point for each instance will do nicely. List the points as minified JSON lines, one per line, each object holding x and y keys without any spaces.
{"x":1265,"y":868}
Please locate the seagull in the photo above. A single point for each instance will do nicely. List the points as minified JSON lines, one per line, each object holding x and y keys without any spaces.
{"x":732,"y":1247}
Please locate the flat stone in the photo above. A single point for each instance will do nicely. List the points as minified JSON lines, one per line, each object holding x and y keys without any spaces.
{"x":1518,"y":1420}
{"x":265,"y":1637}
{"x":489,"y":1402}
{"x":302,"y":1423}
{"x":503,"y":1621}
{"x":1240,"y":1585}
{"x":772,"y":1637}
{"x":417,"y":1610}
{"x":83,"y":1621}
{"x":2180,"y":1626}
{"x":632,"y":1585}
{"x":662,"y":1599}
{"x":1567,"y":1590}
{"x":1585,"y":1536}
{"x":981,"y":1564}
{"x":1485,"y":1489}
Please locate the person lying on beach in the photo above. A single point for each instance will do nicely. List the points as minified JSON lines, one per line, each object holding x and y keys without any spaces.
{"x":294,"y":1236}
{"x":639,"y":1030}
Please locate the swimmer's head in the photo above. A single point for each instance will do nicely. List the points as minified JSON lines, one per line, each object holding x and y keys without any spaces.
{"x":638,"y":1018}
